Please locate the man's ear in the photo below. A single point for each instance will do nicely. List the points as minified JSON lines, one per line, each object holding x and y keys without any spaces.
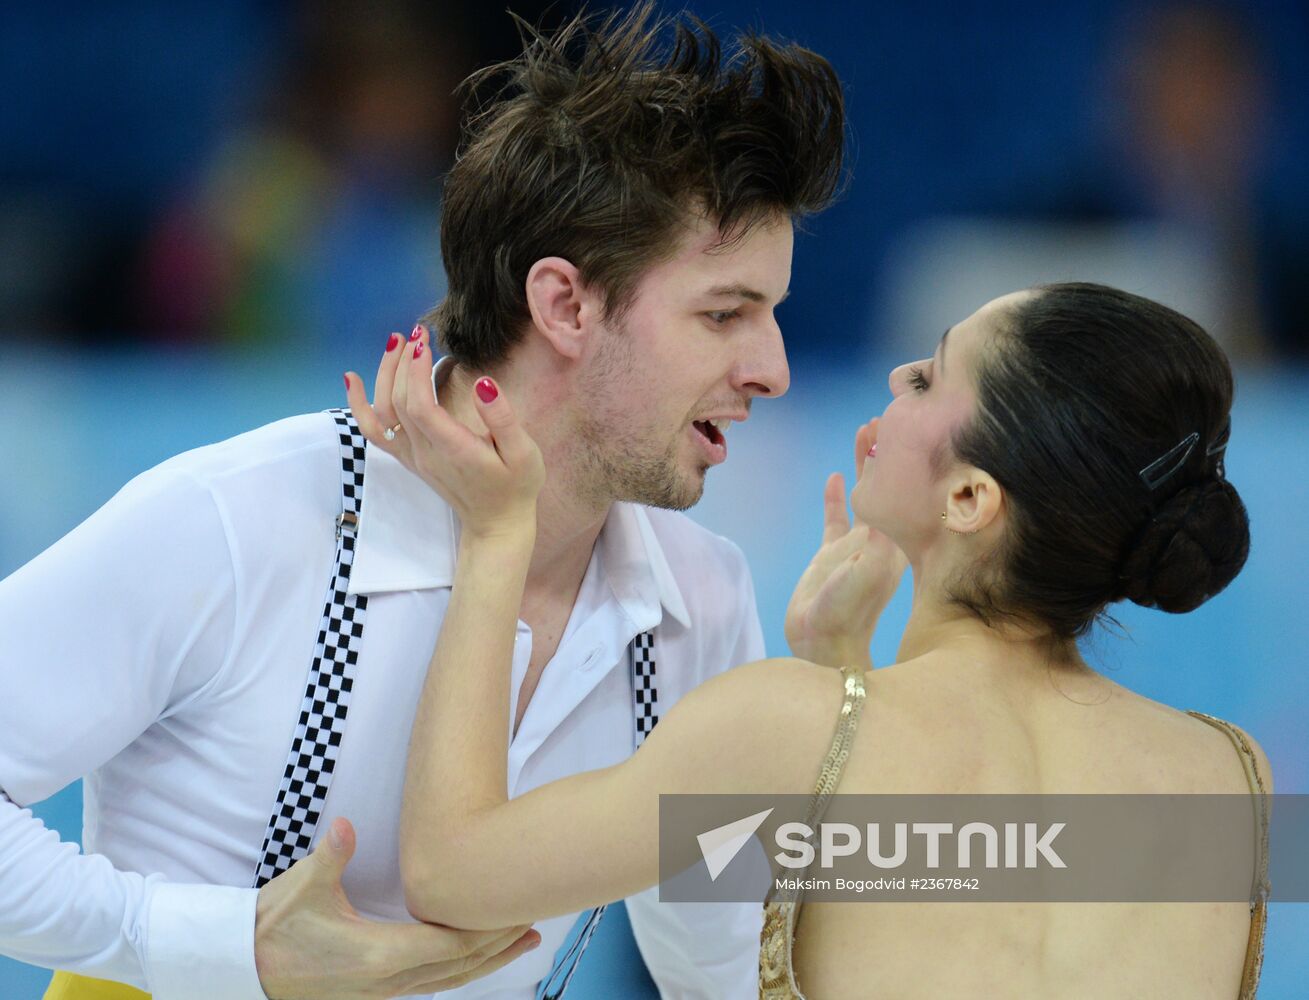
{"x":562,"y":307}
{"x":976,"y":500}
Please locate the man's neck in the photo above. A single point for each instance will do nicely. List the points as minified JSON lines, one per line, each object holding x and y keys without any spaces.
{"x":567,"y":522}
{"x":565,"y":539}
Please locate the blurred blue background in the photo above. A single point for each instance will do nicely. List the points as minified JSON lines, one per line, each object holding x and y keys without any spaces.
{"x":207,"y":212}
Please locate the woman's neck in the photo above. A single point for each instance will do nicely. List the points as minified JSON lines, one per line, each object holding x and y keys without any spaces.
{"x":937,"y":625}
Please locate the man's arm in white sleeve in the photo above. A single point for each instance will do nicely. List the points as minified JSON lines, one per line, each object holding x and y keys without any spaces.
{"x":62,"y":909}
{"x":706,"y":951}
{"x":125,"y":616}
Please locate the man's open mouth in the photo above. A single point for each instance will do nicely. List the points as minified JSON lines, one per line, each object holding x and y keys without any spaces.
{"x":709,"y":430}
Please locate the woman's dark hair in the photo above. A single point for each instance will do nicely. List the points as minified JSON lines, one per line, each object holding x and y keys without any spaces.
{"x":1083,"y":388}
{"x":602,"y":142}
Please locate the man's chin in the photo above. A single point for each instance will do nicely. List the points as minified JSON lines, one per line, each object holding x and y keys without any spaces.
{"x":693,"y":491}
{"x":688,"y":499}
{"x":681,"y":493}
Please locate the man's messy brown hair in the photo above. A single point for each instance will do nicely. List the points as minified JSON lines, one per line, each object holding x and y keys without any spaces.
{"x":602,"y":144}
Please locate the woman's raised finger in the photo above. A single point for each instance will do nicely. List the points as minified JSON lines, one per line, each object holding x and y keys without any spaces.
{"x":836,"y":522}
{"x":414,"y":349}
{"x":386,"y":378}
{"x":515,"y":447}
{"x":419,"y":411}
{"x":370,"y":424}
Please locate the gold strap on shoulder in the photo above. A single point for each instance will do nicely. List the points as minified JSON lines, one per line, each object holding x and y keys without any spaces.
{"x":1261,"y":887}
{"x":1259,"y":794}
{"x":781,"y":910}
{"x":829,"y":776}
{"x":852,"y":705}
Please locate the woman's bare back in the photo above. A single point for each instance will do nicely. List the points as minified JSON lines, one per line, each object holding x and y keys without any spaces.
{"x":931,"y":727}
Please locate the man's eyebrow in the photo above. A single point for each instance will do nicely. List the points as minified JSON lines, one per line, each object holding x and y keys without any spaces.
{"x":741,"y":291}
{"x":941,"y":348}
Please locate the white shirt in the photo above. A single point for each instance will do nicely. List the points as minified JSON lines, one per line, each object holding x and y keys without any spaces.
{"x":161,"y":650}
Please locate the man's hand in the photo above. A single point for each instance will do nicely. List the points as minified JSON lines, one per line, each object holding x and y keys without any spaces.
{"x":848,"y":583}
{"x":310,"y":942}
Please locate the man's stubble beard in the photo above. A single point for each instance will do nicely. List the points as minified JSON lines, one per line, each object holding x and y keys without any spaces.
{"x":617,"y":472}
{"x":614,"y":463}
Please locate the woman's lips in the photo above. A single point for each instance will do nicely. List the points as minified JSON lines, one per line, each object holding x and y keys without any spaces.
{"x":872,"y":451}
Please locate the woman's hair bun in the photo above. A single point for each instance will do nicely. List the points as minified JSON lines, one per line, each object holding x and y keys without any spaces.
{"x":1190,"y":550}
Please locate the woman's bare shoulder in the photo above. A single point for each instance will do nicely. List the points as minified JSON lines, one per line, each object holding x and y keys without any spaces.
{"x":770,"y":723}
{"x":1206,"y":753}
{"x":1072,"y":731}
{"x":786,"y":694}
{"x":1156,"y":747}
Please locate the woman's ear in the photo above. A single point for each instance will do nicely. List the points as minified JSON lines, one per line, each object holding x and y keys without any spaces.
{"x":976,"y":500}
{"x":560,"y":304}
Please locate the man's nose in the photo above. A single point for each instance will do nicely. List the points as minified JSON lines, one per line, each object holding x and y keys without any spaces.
{"x":764,"y":371}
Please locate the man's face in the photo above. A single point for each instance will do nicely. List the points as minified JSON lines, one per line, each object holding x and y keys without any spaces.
{"x":697,"y":344}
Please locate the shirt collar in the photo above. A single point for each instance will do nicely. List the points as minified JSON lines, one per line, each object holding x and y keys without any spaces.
{"x":408,"y":537}
{"x":637,"y":569}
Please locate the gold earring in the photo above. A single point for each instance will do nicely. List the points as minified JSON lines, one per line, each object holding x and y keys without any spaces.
{"x":951,"y":530}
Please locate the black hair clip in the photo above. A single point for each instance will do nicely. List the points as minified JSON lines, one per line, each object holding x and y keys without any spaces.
{"x":1163,"y":468}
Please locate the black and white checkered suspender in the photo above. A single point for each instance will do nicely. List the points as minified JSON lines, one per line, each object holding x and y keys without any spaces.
{"x":318,"y":730}
{"x":645,"y":714}
{"x":645,"y":697}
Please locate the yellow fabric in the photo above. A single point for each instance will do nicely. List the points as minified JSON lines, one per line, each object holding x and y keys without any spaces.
{"x":66,"y":986}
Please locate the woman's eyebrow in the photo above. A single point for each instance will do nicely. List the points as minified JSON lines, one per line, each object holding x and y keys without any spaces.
{"x":941,"y":348}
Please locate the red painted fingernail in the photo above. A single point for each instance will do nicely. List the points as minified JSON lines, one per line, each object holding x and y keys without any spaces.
{"x":486,"y":390}
{"x":392,"y":342}
{"x":418,"y":331}
{"x":418,"y":350}
{"x":347,"y":381}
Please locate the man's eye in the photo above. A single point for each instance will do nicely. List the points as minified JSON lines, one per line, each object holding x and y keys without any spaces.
{"x":723,"y":316}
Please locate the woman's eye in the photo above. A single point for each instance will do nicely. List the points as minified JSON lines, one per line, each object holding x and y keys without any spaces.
{"x":722,"y":317}
{"x":915,"y":379}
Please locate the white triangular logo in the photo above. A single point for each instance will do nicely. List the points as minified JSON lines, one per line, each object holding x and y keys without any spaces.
{"x":721,"y":844}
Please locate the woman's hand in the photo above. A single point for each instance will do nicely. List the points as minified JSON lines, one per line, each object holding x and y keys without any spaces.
{"x":849,"y":581}
{"x":490,"y":478}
